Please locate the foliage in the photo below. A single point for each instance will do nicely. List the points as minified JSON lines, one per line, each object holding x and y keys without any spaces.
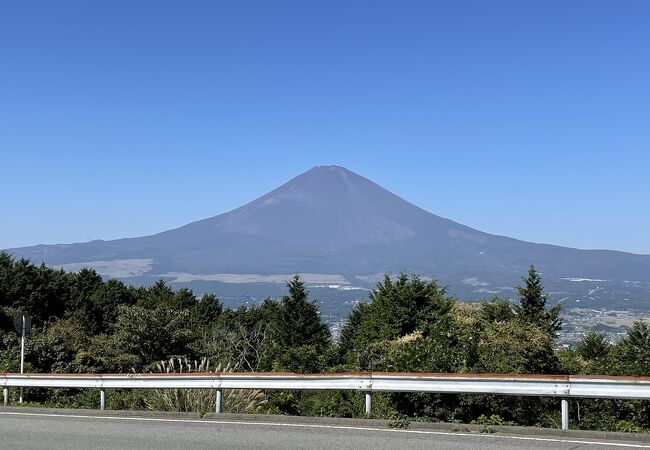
{"x":83,"y":323}
{"x":151,"y":335}
{"x":532,"y":303}
{"x":632,"y":355}
{"x":302,"y":359}
{"x":9,"y":351}
{"x":300,"y":323}
{"x":397,"y":308}
{"x":513,"y":347}
{"x":58,"y":347}
{"x":399,"y":421}
{"x":206,"y":311}
{"x":493,"y":419}
{"x":40,"y":291}
{"x":593,"y":346}
{"x":497,"y":310}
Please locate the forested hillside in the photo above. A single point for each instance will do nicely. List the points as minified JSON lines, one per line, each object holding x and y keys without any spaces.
{"x":84,"y":324}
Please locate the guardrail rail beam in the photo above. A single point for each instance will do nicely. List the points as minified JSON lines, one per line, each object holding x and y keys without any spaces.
{"x":560,"y":386}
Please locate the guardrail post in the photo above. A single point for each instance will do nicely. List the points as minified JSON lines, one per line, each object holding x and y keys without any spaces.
{"x":5,"y":394}
{"x":368,"y":403}
{"x":565,"y":413}
{"x":102,"y":399}
{"x":217,"y":406}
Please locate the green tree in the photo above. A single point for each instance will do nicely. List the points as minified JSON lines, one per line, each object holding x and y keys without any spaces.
{"x":532,"y":304}
{"x":40,"y":291}
{"x":517,"y":347}
{"x":149,"y":335}
{"x":594,"y":345}
{"x":106,"y":300}
{"x":300,"y":321}
{"x":632,"y":355}
{"x":184,"y":298}
{"x":156,"y":295}
{"x":205,"y":312}
{"x":397,"y":308}
{"x":80,"y":306}
{"x":59,"y":348}
{"x":497,"y":310}
{"x":9,"y":351}
{"x":352,"y":326}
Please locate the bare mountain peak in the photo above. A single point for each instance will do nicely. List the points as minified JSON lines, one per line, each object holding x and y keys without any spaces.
{"x":327,"y":174}
{"x":332,"y":168}
{"x":327,"y":185}
{"x":328,"y":206}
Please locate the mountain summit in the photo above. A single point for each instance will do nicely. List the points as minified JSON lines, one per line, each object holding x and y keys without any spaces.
{"x":338,"y":226}
{"x":327,"y":208}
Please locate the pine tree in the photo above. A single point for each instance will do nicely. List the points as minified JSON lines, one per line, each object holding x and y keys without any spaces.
{"x":301,"y":323}
{"x":532,"y":303}
{"x":634,"y":351}
{"x":593,"y":345}
{"x":397,"y":308}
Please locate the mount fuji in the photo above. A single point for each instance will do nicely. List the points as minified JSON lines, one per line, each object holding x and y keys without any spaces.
{"x":342,"y":231}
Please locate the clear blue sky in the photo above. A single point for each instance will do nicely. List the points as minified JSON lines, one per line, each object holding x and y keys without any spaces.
{"x":527,"y":119}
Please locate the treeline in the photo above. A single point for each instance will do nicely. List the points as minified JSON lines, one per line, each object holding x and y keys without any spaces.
{"x":83,"y":324}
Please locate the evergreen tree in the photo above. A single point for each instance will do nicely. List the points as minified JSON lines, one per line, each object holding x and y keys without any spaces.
{"x":397,"y":308}
{"x":300,"y":321}
{"x":158,"y":294}
{"x":497,"y":310}
{"x":638,"y":338}
{"x":206,"y":312}
{"x":106,"y":299}
{"x":80,"y":306}
{"x":532,"y":303}
{"x":633,"y":353}
{"x":594,"y":345}
{"x":352,"y":325}
{"x":184,"y":298}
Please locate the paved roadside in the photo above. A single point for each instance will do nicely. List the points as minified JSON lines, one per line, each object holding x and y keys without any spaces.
{"x":35,"y":428}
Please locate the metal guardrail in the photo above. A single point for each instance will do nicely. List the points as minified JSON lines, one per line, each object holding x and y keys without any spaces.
{"x":562,"y":386}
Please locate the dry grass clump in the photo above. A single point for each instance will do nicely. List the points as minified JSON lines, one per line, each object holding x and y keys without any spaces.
{"x":202,"y":401}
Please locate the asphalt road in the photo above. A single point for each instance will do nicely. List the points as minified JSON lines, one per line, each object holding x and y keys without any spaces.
{"x":53,"y":431}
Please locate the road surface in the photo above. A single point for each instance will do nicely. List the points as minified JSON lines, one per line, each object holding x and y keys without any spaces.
{"x":78,"y":430}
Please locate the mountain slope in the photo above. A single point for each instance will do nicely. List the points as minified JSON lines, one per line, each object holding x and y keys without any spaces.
{"x":332,"y":221}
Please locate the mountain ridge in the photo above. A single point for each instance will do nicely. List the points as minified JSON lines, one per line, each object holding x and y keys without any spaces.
{"x":332,"y":221}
